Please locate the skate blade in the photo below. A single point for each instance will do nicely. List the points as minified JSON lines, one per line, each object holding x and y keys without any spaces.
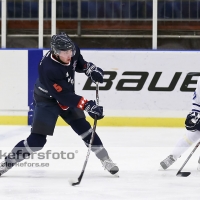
{"x":116,"y":175}
{"x":160,"y":168}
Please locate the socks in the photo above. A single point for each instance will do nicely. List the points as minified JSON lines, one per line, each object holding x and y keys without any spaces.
{"x":185,"y":142}
{"x":24,"y":148}
{"x":84,"y":130}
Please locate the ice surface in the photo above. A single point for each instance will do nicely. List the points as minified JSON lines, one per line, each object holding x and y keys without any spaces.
{"x":137,"y":151}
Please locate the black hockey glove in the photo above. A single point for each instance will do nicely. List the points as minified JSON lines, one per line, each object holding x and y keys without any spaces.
{"x":94,"y":73}
{"x":192,"y":122}
{"x":94,"y":109}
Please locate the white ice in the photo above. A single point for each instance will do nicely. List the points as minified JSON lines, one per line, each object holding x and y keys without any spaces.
{"x":137,"y":151}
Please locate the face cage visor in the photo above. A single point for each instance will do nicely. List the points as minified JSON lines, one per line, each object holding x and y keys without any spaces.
{"x":59,"y":52}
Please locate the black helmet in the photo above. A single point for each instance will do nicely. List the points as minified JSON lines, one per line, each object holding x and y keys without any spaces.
{"x":62,"y":42}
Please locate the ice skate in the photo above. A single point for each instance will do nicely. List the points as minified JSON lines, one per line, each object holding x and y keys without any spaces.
{"x":3,"y":168}
{"x":167,"y":162}
{"x":110,"y":166}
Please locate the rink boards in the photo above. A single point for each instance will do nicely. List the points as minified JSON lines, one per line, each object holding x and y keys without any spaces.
{"x":141,"y":88}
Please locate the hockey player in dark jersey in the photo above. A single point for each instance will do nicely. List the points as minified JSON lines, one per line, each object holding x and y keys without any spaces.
{"x":54,"y":96}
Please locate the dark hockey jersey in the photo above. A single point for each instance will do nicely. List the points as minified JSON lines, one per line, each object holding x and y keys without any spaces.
{"x":57,"y":80}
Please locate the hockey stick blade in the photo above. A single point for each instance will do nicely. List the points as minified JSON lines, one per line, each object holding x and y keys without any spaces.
{"x":79,"y":179}
{"x":186,"y":174}
{"x":183,"y":174}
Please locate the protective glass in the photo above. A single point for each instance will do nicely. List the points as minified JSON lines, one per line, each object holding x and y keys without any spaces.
{"x":70,"y":52}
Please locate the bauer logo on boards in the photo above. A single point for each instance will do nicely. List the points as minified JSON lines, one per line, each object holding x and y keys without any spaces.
{"x":139,"y":80}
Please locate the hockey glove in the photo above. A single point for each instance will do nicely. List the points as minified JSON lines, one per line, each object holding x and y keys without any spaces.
{"x":192,"y":122}
{"x":94,"y":73}
{"x":94,"y":109}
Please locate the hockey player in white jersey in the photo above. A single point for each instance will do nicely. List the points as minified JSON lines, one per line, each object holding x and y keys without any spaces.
{"x":192,"y":134}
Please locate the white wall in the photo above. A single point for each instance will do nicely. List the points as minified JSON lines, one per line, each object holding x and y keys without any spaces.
{"x":14,"y":82}
{"x":144,"y":103}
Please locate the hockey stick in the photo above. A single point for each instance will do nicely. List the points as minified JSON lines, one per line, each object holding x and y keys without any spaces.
{"x":91,"y":140}
{"x":185,"y":174}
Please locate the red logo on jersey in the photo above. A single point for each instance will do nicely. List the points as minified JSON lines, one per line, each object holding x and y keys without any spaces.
{"x":57,"y":87}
